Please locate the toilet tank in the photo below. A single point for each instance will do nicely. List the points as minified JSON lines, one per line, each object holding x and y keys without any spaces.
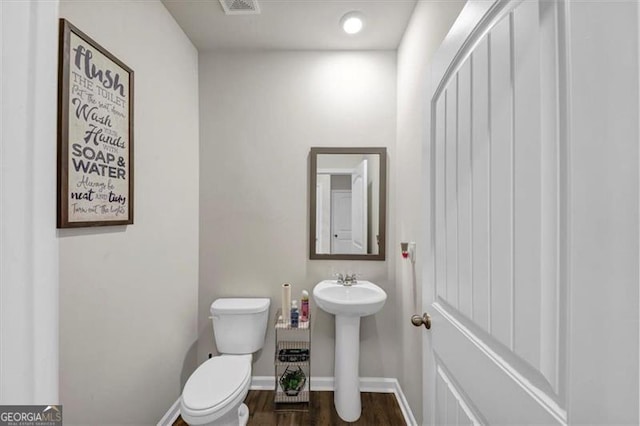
{"x":240,"y":324}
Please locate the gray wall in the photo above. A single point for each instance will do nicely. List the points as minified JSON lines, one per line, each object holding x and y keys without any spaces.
{"x":260,"y":114}
{"x":427,"y":28}
{"x":128,"y":295}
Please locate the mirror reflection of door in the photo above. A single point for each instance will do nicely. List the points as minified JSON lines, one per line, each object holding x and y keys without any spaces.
{"x":341,"y":219}
{"x":323,"y":219}
{"x":343,"y":216}
{"x":359,"y":228}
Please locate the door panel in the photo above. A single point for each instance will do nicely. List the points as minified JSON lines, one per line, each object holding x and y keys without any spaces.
{"x":480,"y":185}
{"x":551,"y":191}
{"x":526,"y":166}
{"x":440,"y":204}
{"x":359,"y":223}
{"x":450,"y":182}
{"x":525,"y":238}
{"x":501,"y":181}
{"x":489,"y":378}
{"x":490,"y":183}
{"x":323,"y":215}
{"x":458,"y":411}
{"x":341,"y":221}
{"x":465,"y":283}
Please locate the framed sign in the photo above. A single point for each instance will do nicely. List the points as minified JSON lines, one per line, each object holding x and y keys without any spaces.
{"x":95,"y":134}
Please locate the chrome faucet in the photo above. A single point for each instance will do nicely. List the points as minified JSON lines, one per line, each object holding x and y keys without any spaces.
{"x":346,"y":279}
{"x":350,"y":279}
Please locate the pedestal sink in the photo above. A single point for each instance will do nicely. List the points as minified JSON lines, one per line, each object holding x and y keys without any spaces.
{"x":348,"y":303}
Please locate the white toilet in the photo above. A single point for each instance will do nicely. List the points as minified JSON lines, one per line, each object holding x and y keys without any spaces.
{"x":214,"y":393}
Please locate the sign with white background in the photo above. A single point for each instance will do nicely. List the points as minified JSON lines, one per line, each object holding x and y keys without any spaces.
{"x":95,"y":182}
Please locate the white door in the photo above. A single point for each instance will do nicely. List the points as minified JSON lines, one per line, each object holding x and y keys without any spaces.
{"x":340,"y":221}
{"x":323,"y":214}
{"x":319,"y":218}
{"x":532,"y":275}
{"x":359,"y":223}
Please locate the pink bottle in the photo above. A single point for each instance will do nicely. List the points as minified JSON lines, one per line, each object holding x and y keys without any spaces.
{"x":304,"y":306}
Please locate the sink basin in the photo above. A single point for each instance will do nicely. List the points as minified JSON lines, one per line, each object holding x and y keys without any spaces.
{"x":360,"y":299}
{"x":348,"y":304}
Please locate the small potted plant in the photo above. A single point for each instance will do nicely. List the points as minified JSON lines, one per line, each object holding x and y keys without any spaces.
{"x":292,"y":381}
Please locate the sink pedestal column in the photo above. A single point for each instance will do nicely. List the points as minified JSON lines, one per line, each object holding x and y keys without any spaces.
{"x":346,"y":396}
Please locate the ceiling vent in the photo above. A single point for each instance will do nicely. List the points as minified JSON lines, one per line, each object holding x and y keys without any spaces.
{"x":240,"y":7}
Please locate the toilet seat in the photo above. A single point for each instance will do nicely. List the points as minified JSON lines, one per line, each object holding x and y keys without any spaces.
{"x":222,"y":381}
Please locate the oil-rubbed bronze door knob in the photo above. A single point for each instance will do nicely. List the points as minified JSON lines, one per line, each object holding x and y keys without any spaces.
{"x":418,"y":320}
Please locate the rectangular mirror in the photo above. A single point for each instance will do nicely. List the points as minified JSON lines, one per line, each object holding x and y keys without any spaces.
{"x":348,"y":203}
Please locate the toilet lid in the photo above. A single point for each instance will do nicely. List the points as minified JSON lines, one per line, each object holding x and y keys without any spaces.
{"x":215,"y":381}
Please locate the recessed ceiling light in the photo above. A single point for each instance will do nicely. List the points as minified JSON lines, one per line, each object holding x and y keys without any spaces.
{"x":352,"y":22}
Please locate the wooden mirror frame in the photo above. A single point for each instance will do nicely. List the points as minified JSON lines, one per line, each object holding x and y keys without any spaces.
{"x":382,"y":208}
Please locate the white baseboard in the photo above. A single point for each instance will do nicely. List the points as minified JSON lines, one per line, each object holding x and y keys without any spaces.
{"x":269,"y":383}
{"x":263,"y":383}
{"x":171,"y":415}
{"x":367,"y":384}
{"x":404,"y":405}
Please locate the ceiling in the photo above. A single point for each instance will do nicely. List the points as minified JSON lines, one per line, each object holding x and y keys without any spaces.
{"x":292,"y":24}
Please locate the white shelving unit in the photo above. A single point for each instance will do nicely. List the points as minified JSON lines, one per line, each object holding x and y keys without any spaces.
{"x":288,"y":337}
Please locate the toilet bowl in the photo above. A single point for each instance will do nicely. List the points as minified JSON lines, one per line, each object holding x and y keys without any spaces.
{"x":215,"y":392}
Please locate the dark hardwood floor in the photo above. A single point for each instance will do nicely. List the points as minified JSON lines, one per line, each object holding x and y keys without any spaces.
{"x":377,"y":409}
